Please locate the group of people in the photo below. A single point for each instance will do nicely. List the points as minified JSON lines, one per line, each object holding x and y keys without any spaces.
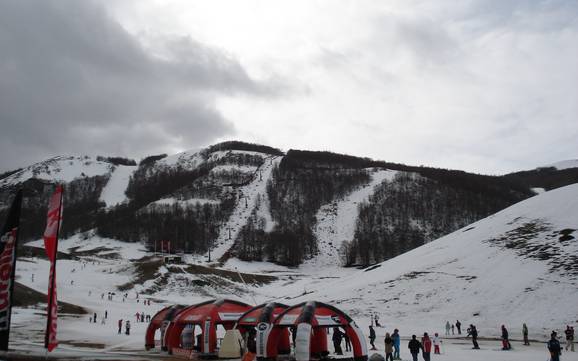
{"x":554,"y":345}
{"x":453,"y":327}
{"x":126,"y":327}
{"x":141,"y":317}
{"x":425,"y":346}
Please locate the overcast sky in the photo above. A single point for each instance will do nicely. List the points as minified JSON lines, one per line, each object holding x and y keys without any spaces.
{"x":484,"y":86}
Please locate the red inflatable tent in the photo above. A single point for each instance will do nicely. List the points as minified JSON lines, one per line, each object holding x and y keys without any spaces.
{"x":207,"y":315}
{"x":310,"y":321}
{"x":161,"y":320}
{"x":263,"y":316}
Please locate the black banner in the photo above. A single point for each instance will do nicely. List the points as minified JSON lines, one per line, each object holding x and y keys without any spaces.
{"x":8,"y":242}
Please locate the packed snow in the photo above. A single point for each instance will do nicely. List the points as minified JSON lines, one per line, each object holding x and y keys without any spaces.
{"x":336,"y":222}
{"x":113,"y":193}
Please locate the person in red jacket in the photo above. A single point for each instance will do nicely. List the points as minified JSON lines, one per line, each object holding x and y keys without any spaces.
{"x":426,"y":346}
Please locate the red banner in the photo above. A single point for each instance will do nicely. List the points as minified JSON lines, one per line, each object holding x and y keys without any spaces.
{"x":8,"y":245}
{"x":53,"y":221}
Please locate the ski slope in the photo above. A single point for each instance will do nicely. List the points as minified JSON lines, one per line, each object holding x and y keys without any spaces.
{"x":113,"y":193}
{"x":247,"y":200}
{"x":336,"y":223}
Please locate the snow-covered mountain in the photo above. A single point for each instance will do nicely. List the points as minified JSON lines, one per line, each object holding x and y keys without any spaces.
{"x":257,"y":203}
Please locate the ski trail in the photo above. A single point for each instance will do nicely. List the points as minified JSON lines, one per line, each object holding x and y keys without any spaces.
{"x":245,"y":204}
{"x":336,"y":222}
{"x":114,"y":191}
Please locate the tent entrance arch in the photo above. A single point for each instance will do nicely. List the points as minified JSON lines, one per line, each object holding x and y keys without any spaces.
{"x":205,"y":317}
{"x":158,"y":325}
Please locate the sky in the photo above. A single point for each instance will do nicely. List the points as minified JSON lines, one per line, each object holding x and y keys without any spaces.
{"x":488,"y":86}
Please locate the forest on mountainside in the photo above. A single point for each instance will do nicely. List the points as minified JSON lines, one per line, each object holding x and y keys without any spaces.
{"x":411,"y":210}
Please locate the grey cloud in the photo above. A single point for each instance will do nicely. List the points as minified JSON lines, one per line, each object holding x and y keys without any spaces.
{"x":72,"y":80}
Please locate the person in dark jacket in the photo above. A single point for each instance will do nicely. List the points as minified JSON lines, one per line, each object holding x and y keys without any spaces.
{"x":347,"y":342}
{"x":474,"y":333}
{"x":336,"y":338}
{"x":372,"y":337}
{"x":554,"y":347}
{"x":525,"y":335}
{"x":459,"y":327}
{"x":505,"y":339}
{"x":414,"y":346}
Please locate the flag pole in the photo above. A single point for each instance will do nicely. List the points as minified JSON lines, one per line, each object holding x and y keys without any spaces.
{"x":53,"y":278}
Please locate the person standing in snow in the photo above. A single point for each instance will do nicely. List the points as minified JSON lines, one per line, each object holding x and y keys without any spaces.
{"x":337,"y":336}
{"x":474,"y":333}
{"x":436,"y":343}
{"x":525,"y":334}
{"x":120,"y":326}
{"x":105,"y":313}
{"x":453,"y":329}
{"x":372,"y":337}
{"x":94,"y":318}
{"x":414,"y":346}
{"x":459,"y":327}
{"x":569,"y":338}
{"x":396,"y":344}
{"x":127,"y":327}
{"x":426,"y":347}
{"x":554,"y":347}
{"x":448,"y":328}
{"x":376,"y":318}
{"x":505,"y":340}
{"x":388,"y":347}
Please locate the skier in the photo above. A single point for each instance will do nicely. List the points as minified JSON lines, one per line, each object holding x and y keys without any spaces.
{"x":396,"y":344}
{"x":137,"y":315}
{"x":525,"y":334}
{"x":474,"y":333}
{"x":94,"y":318}
{"x":448,"y":328}
{"x":119,"y":326}
{"x":459,"y":327}
{"x":505,"y":341}
{"x":453,"y":328}
{"x":426,"y":347}
{"x":106,"y":314}
{"x":388,"y":347}
{"x":337,"y":336}
{"x":127,"y":327}
{"x":554,"y":347}
{"x":372,"y":337}
{"x":436,"y":342}
{"x":569,"y":338}
{"x":414,"y":346}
